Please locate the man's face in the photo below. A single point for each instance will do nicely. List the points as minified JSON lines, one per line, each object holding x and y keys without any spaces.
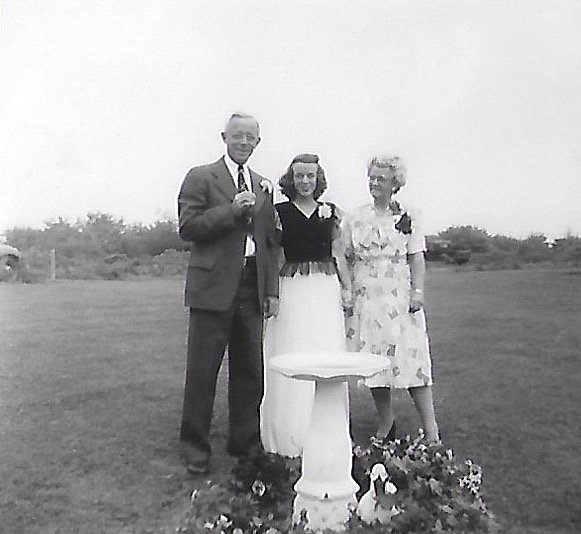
{"x":241,"y":138}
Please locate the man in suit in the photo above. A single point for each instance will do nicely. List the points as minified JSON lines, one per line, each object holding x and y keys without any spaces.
{"x":226,"y":210}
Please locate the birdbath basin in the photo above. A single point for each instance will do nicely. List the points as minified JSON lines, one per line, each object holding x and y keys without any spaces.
{"x":326,"y":490}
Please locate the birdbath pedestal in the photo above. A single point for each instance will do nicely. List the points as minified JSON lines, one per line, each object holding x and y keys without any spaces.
{"x":326,"y":489}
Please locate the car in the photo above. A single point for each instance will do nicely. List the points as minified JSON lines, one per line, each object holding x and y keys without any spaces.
{"x":10,"y":262}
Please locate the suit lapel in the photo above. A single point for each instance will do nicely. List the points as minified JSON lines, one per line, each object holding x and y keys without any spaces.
{"x":223,"y":179}
{"x":226,"y":184}
{"x":257,"y":190}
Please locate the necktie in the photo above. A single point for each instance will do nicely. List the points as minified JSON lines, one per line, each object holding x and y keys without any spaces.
{"x":242,"y":187}
{"x":241,"y":181}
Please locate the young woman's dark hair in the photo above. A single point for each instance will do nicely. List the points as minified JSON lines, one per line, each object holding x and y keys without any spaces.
{"x":287,"y":185}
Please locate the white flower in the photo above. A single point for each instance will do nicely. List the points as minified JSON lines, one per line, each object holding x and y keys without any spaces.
{"x":223,"y":522}
{"x":324,"y":211}
{"x":237,"y":531}
{"x":266,"y":186}
{"x":257,"y":521}
{"x":475,"y":478}
{"x":390,"y":488}
{"x":208,"y":525}
{"x":258,"y":488}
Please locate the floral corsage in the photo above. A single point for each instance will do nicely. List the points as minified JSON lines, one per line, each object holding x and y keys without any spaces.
{"x":404,"y":223}
{"x":325,"y":211}
{"x":266,"y":186}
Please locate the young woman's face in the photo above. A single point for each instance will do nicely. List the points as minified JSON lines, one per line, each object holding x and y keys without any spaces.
{"x":305,"y":178}
{"x":382,"y":182}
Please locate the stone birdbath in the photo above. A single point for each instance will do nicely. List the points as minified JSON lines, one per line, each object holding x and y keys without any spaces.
{"x":326,"y":489}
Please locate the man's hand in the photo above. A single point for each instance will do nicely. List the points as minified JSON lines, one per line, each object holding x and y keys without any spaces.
{"x":242,"y":203}
{"x":270,"y":307}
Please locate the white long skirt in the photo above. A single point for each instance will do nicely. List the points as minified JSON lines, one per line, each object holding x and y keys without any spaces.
{"x":310,"y":318}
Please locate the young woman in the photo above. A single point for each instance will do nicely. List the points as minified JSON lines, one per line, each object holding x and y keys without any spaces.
{"x":310,"y":316}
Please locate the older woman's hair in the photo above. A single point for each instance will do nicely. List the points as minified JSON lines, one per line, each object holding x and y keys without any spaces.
{"x":287,"y":185}
{"x":393,"y":163}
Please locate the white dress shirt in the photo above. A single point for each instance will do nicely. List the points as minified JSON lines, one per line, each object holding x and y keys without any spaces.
{"x":250,"y":248}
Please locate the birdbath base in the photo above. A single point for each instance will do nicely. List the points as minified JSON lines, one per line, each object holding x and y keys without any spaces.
{"x":326,"y":490}
{"x":324,"y":514}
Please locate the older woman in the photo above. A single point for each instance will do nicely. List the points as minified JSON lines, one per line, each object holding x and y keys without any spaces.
{"x":384,"y":249}
{"x":310,"y":316}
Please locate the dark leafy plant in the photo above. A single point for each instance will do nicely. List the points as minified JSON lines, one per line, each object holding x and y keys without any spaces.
{"x":435,"y":493}
{"x":269,"y":477}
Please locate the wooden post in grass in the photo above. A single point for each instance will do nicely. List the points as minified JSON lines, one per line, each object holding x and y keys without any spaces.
{"x":52,"y":265}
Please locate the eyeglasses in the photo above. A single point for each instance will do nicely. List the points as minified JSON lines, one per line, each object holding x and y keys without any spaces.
{"x":381,"y":179}
{"x":240,"y":136}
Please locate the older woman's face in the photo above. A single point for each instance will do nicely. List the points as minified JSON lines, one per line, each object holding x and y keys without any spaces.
{"x":305,"y":178}
{"x":382,"y":182}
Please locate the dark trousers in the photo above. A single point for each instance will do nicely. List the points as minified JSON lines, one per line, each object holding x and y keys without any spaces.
{"x":240,"y":328}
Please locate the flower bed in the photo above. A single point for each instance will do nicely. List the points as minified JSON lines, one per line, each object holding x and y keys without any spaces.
{"x":426,"y":489}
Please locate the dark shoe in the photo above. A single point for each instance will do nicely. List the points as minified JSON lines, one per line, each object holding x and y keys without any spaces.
{"x":196,"y":462}
{"x":390,"y":435}
{"x":196,"y":469}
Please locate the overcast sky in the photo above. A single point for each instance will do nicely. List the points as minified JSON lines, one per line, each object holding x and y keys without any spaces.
{"x":106,"y":104}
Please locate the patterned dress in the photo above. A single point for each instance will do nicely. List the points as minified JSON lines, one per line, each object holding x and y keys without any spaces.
{"x":376,"y":253}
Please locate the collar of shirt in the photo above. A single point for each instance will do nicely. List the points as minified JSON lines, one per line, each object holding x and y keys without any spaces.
{"x":232,"y":167}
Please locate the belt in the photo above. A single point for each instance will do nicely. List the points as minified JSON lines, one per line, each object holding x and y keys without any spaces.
{"x":249,"y":261}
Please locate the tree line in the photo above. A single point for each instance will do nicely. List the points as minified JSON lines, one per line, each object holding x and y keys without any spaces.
{"x":103,"y":246}
{"x":460,"y":244}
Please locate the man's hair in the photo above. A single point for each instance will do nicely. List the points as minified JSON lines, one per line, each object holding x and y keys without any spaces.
{"x":242,"y":116}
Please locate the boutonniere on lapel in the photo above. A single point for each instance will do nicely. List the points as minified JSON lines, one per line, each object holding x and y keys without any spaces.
{"x":266,"y":186}
{"x":403,"y":220}
{"x":325,"y":211}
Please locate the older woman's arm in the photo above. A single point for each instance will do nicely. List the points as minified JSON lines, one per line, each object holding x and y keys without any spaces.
{"x":417,"y":275}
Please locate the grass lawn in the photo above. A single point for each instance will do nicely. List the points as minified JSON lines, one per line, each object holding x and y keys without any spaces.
{"x":91,"y":378}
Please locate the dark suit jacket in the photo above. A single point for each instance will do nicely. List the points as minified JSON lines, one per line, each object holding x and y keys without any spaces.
{"x":218,"y":238}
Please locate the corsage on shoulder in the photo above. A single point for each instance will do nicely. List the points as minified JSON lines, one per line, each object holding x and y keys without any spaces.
{"x":404,"y":223}
{"x":325,"y":211}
